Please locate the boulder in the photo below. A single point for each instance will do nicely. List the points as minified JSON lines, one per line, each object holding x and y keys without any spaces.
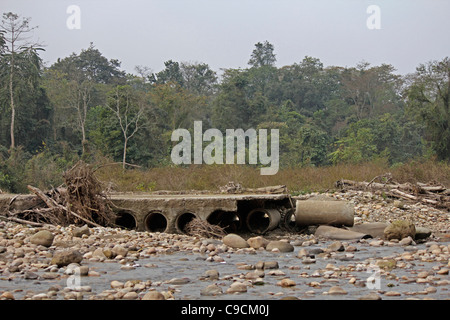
{"x":257,"y":242}
{"x":400,"y":229}
{"x":235,"y":241}
{"x":65,"y":257}
{"x":280,"y":245}
{"x":80,"y":231}
{"x":42,"y":238}
{"x":153,"y":295}
{"x":119,"y":250}
{"x":211,"y":290}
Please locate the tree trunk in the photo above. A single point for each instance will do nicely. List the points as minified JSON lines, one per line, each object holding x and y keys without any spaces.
{"x":124,"y":152}
{"x":13,"y":108}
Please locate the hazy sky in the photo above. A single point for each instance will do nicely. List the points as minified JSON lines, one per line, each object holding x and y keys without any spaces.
{"x":223,"y":33}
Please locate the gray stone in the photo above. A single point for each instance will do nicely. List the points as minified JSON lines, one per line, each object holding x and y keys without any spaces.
{"x":235,"y":241}
{"x":257,"y":242}
{"x":119,"y":250}
{"x":400,"y":229}
{"x":406,"y":241}
{"x":211,"y":290}
{"x":80,"y":231}
{"x":370,"y":296}
{"x":337,"y":290}
{"x":280,"y":245}
{"x":336,"y":246}
{"x":65,"y":257}
{"x":179,"y":281}
{"x":212,"y":274}
{"x":271,"y":265}
{"x":42,"y":238}
{"x":153,"y":295}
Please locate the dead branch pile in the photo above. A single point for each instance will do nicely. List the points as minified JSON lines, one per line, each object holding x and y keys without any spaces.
{"x":201,"y":228}
{"x":432,"y":193}
{"x":79,"y":201}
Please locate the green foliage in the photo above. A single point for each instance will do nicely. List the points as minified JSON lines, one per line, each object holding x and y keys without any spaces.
{"x":85,"y":106}
{"x":428,"y":100}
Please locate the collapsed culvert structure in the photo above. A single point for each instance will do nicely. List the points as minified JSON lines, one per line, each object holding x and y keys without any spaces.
{"x":170,"y":212}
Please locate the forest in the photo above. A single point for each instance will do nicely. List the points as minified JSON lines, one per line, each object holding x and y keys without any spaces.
{"x":85,"y":107}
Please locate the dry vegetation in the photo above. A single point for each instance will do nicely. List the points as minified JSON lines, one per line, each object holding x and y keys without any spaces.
{"x":297,"y":180}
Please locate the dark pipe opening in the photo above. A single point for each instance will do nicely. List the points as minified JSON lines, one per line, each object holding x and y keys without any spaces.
{"x":289,"y":220}
{"x":125,"y":220}
{"x":258,"y":221}
{"x":229,"y":221}
{"x":155,"y":222}
{"x":183,"y":220}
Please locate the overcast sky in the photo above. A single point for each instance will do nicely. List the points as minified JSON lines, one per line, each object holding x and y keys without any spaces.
{"x":222,"y":33}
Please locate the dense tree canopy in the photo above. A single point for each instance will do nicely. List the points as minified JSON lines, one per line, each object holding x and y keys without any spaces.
{"x":85,"y":106}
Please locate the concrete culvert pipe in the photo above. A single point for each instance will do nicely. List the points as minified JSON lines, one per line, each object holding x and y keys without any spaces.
{"x":183,"y":219}
{"x":155,"y":222}
{"x":229,"y":221}
{"x":125,"y":220}
{"x":317,"y":212}
{"x":262,"y":220}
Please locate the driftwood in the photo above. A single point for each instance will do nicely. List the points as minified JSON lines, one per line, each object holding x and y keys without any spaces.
{"x":433,"y":194}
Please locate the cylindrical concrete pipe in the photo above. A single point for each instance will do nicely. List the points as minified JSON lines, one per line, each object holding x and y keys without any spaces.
{"x":263,"y":220}
{"x":316,"y":212}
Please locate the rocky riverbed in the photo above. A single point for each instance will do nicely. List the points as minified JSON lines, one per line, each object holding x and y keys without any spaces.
{"x":62,"y":263}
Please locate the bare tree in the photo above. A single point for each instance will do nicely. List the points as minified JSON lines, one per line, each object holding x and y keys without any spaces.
{"x":128,"y":109}
{"x":17,"y":33}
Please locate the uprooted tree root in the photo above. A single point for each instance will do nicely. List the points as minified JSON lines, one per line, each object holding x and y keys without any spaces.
{"x":84,"y":195}
{"x":79,"y":201}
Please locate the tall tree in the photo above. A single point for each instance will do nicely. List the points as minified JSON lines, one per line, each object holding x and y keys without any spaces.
{"x":80,"y":82}
{"x":128,"y":107}
{"x":263,"y":55}
{"x":171,"y":73}
{"x":372,"y":90}
{"x":21,"y":58}
{"x":428,"y":99}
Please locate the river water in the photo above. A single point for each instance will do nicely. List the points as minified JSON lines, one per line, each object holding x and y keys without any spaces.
{"x":161,"y":268}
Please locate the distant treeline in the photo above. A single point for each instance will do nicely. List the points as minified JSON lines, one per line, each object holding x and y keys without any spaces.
{"x":85,"y":106}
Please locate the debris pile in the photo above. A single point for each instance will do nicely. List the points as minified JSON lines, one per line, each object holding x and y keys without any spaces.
{"x":433,"y":193}
{"x":79,"y":200}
